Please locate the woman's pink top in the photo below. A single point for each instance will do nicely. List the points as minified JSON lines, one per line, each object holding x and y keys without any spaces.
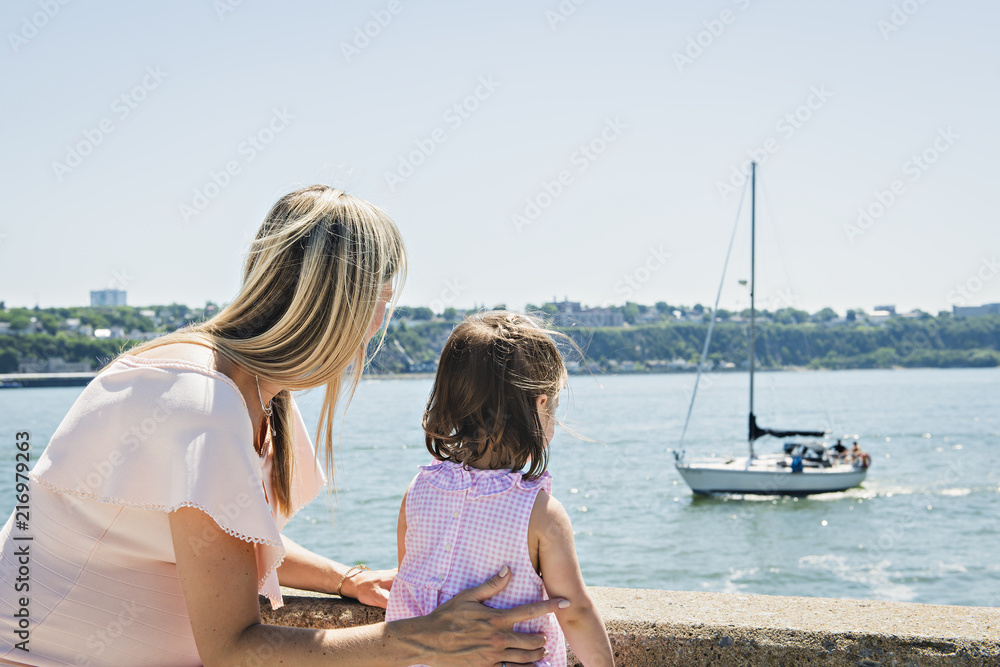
{"x":463,"y":525}
{"x":145,"y":438}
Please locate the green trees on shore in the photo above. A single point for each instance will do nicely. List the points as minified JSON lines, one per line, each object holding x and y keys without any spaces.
{"x":942,"y":341}
{"x":32,"y":347}
{"x":930,"y":342}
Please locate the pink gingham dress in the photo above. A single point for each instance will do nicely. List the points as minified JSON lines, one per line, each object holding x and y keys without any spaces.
{"x":462,"y":525}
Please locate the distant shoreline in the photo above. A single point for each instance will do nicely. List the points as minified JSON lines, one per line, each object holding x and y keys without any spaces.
{"x":942,"y":342}
{"x":48,"y":380}
{"x":727,"y":371}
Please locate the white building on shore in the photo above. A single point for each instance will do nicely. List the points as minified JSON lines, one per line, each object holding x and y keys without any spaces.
{"x":975,"y":311}
{"x":107,"y":297}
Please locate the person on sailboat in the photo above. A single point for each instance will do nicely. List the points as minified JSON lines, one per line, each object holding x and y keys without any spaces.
{"x":840,"y":449}
{"x":859,"y":458}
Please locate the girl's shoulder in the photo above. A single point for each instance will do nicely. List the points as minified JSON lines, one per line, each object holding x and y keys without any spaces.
{"x":549,"y":521}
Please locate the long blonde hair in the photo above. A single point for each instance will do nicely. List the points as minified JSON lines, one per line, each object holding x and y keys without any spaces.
{"x":311,"y":287}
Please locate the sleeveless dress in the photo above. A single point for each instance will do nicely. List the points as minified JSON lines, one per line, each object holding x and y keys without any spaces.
{"x":146,"y":437}
{"x":462,"y":525}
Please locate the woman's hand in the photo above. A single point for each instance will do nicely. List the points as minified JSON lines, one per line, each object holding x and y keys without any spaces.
{"x":464,"y":632}
{"x":370,"y":587}
{"x":311,"y":572}
{"x":218,"y":577}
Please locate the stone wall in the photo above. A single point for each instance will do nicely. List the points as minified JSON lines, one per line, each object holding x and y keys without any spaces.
{"x":651,"y":627}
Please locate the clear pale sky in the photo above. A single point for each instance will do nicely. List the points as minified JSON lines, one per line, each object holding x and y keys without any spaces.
{"x":182,"y":86}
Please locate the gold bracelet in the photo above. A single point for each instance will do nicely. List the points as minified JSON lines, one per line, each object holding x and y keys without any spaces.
{"x":360,"y":567}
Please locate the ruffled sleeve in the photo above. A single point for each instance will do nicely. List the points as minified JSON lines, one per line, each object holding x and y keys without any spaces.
{"x":450,"y":476}
{"x":161,"y":435}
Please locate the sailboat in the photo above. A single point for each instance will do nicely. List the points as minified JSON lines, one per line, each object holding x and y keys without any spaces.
{"x":801,"y":468}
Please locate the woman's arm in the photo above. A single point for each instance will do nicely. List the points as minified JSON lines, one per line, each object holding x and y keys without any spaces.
{"x":311,"y":572}
{"x":218,"y":576}
{"x":551,"y":530}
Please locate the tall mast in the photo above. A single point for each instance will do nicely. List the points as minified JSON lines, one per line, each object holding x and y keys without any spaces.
{"x":753,"y":274}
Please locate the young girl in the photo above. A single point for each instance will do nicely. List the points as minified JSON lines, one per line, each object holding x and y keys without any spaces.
{"x":485,"y":504}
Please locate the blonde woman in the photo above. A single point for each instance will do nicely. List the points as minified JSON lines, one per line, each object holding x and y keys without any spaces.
{"x":157,"y":506}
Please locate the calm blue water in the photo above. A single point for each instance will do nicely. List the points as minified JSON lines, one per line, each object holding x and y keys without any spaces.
{"x":923,"y":528}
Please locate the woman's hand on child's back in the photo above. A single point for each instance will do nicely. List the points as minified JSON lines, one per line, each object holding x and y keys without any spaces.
{"x":370,"y":587}
{"x":464,"y":632}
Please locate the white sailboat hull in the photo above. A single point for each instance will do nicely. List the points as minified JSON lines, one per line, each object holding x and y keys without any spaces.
{"x":808,"y":468}
{"x":763,"y":476}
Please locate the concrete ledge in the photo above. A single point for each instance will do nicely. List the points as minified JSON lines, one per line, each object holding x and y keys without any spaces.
{"x":651,"y":627}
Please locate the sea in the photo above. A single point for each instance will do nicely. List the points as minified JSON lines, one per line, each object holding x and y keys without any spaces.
{"x":922,"y":528}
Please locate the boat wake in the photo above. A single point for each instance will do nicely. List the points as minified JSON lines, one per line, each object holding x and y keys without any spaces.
{"x":876,"y":578}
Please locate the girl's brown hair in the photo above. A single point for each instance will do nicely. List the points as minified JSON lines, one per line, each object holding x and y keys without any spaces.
{"x":482,"y":407}
{"x":312,"y":283}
